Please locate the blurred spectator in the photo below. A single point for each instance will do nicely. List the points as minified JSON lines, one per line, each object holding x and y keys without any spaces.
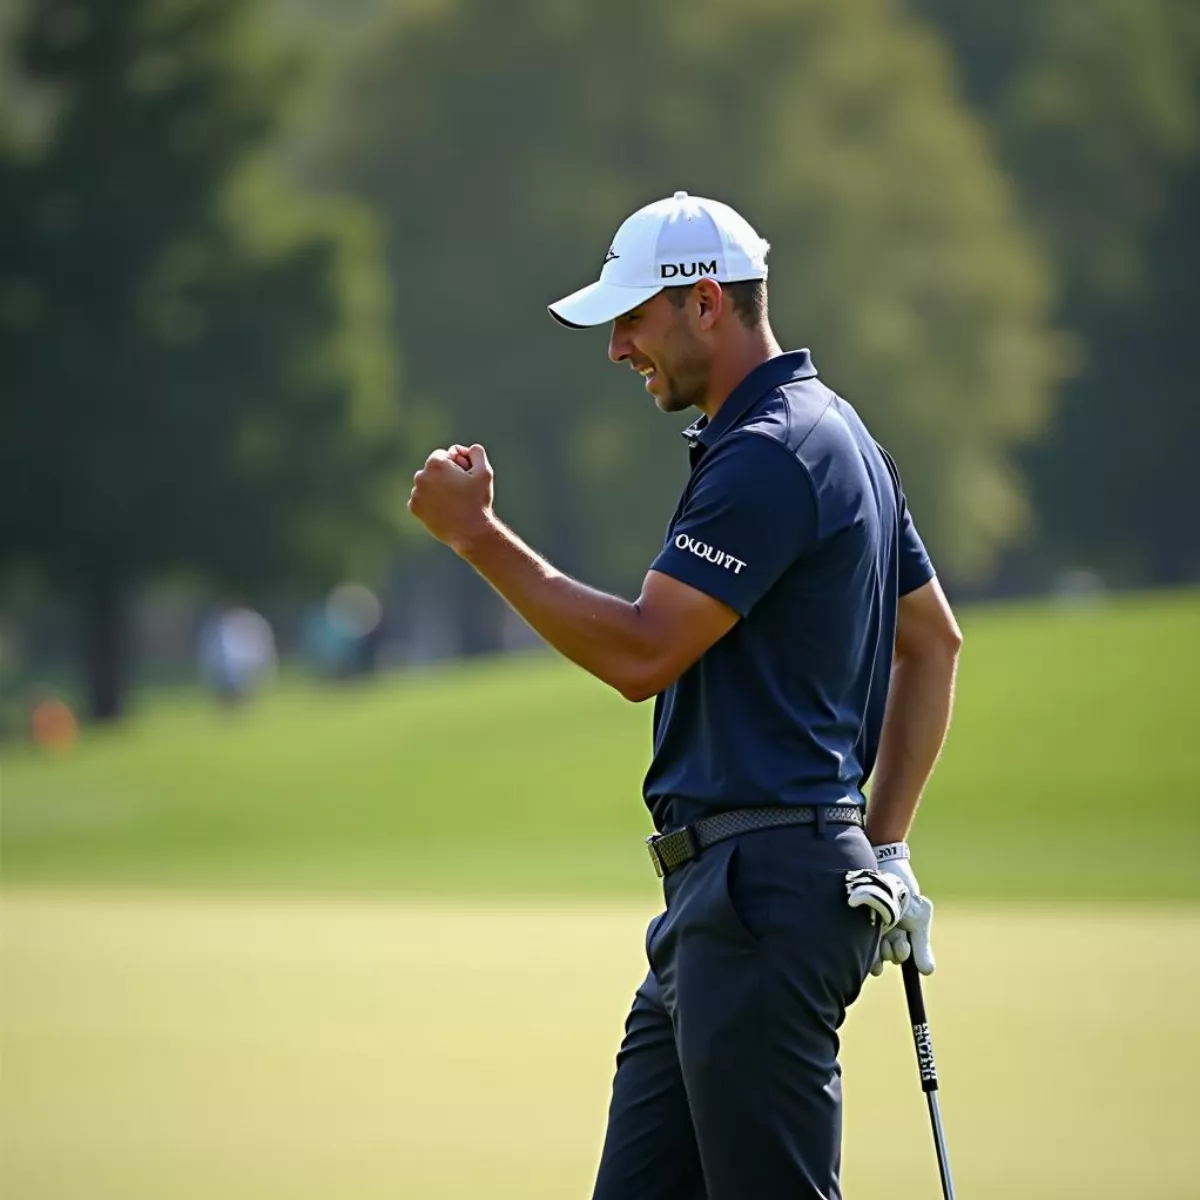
{"x":342,"y":637}
{"x":53,"y":726}
{"x":236,"y":653}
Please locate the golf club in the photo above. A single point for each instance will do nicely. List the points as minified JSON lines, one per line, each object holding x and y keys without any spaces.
{"x":925,"y":1064}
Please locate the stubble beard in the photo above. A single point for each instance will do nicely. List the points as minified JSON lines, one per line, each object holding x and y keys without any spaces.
{"x":673,"y":400}
{"x":686,"y":383}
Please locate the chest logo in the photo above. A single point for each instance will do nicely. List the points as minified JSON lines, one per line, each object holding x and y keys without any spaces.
{"x":709,"y":553}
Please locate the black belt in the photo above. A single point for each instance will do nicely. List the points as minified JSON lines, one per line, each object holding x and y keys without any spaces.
{"x":669,"y":851}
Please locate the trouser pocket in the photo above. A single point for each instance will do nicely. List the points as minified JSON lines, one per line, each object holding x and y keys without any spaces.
{"x":747,"y":907}
{"x":651,"y":930}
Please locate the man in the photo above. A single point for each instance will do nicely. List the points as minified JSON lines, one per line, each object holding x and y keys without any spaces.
{"x":796,"y":641}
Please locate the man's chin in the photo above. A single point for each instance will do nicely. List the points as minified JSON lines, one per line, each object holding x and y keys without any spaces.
{"x":671,"y":404}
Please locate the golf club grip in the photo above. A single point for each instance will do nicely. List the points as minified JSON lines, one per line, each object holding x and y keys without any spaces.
{"x":920,"y":1025}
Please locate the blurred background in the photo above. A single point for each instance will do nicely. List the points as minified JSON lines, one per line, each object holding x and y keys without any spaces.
{"x":320,"y":877}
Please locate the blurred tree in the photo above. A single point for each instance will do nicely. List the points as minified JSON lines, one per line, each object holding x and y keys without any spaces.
{"x":504,"y":143}
{"x":197,"y":374}
{"x":1095,"y":109}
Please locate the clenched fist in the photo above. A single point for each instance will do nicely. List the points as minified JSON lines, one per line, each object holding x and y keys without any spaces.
{"x":452,"y":494}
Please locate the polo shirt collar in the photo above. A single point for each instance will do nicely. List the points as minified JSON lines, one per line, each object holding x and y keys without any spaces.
{"x":766,"y":377}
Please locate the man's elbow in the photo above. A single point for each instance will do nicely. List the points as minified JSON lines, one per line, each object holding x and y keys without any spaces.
{"x":952,"y":641}
{"x":944,"y":649}
{"x":643,"y":680}
{"x":939,"y":646}
{"x":639,"y":688}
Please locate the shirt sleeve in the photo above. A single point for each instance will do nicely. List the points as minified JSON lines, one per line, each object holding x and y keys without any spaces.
{"x":914,"y":568}
{"x":749,"y":513}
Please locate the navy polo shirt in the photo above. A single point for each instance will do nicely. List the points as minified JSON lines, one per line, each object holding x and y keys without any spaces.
{"x":795,"y":518}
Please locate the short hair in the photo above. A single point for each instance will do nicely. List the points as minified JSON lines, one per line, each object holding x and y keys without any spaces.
{"x":749,"y":298}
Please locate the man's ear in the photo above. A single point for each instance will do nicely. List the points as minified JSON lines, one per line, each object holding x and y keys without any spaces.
{"x":709,"y":298}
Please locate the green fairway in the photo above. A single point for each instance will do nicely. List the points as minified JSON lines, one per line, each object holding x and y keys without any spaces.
{"x":303,"y":1049}
{"x":189,"y":1035}
{"x":1073,"y":750}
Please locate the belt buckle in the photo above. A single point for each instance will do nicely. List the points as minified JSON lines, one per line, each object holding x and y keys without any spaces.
{"x":651,"y":845}
{"x":691,"y":843}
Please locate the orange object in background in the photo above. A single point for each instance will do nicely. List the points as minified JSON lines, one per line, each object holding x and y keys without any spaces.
{"x":52,"y":726}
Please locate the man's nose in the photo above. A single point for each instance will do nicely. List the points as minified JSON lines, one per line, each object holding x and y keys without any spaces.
{"x":618,"y":346}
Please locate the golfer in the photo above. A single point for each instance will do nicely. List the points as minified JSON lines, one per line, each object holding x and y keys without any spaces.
{"x":795,"y":641}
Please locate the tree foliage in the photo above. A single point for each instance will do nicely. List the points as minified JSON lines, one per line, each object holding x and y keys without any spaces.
{"x":1095,"y":110}
{"x":502,"y":144}
{"x":197,"y":374}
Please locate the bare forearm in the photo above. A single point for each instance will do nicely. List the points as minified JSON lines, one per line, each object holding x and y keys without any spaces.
{"x":604,"y":634}
{"x":914,"y":728}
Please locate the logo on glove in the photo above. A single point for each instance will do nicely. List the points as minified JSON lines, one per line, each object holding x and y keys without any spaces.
{"x":884,"y":895}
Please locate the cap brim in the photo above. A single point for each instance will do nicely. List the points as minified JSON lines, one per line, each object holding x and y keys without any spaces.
{"x":599,"y":303}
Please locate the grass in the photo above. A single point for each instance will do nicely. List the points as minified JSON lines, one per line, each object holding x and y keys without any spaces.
{"x":1073,"y":749}
{"x":301,"y":1048}
{"x":195,"y":1006}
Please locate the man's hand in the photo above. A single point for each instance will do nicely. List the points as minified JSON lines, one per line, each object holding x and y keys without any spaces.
{"x":884,"y":896}
{"x":452,"y":494}
{"x":911,"y":932}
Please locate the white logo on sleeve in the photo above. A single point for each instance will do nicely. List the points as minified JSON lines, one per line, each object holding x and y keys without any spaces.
{"x":709,"y":553}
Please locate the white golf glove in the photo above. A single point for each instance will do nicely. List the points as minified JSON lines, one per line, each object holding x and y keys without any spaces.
{"x":892,"y":894}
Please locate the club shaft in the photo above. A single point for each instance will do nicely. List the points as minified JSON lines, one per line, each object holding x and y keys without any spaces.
{"x":939,"y":1142}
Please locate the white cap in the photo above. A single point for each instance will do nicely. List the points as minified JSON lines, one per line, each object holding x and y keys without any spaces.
{"x":666,"y":244}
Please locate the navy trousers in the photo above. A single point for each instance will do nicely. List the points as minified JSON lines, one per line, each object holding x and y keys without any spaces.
{"x":728,"y":1085}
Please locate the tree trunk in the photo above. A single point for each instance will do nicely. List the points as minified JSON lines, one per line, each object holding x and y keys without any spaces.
{"x":480,"y":615}
{"x":564,"y":546}
{"x":105,"y":647}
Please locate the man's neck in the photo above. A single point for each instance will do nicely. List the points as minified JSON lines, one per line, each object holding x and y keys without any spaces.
{"x":752,"y":351}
